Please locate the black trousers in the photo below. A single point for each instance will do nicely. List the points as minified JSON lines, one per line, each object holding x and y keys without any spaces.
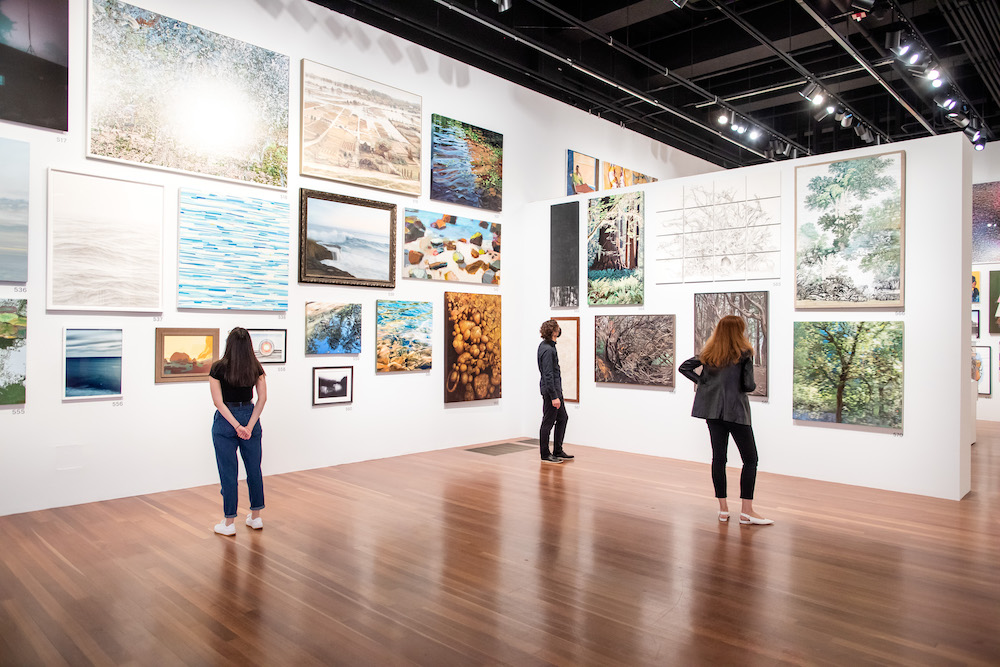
{"x":552,"y":416}
{"x":743,"y":437}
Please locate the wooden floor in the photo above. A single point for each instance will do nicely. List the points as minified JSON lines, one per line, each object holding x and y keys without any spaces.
{"x":458,"y":558}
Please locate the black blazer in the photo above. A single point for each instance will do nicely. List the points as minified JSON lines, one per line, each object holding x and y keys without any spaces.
{"x":722,"y":392}
{"x":550,"y":376}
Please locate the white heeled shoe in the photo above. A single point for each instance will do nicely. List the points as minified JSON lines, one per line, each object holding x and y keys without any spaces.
{"x":746,"y":519}
{"x":723,"y":517}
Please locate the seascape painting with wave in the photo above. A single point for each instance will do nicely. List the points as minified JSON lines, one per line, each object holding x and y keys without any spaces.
{"x":105,"y":244}
{"x":92,"y":363}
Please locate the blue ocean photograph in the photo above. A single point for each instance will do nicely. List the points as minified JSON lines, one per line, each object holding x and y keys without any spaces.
{"x":403,"y":335}
{"x":333,"y":328}
{"x":93,"y":362}
{"x":346,"y":241}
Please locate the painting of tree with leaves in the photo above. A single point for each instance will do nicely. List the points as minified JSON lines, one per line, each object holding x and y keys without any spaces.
{"x":752,"y":307}
{"x":849,"y":233}
{"x":635,"y":349}
{"x":848,"y":373}
{"x":614,"y":249}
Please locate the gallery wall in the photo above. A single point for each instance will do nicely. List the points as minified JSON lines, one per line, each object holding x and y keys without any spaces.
{"x":986,"y":169}
{"x":156,"y":438}
{"x":930,"y":455}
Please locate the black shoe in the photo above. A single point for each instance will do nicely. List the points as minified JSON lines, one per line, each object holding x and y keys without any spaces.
{"x":551,"y":459}
{"x":564,"y":455}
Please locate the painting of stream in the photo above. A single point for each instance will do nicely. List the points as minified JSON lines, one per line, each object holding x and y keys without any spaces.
{"x":466,"y":164}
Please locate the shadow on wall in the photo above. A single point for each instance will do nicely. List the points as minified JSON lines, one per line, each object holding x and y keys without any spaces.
{"x":453,"y":73}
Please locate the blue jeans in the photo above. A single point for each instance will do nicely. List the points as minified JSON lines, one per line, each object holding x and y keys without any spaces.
{"x":226,"y":443}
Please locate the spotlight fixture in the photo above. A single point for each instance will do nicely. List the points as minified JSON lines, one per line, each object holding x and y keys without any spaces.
{"x":859,"y":130}
{"x":830,"y":108}
{"x":863,"y":5}
{"x":679,"y":3}
{"x":847,"y":120}
{"x":821,"y":114}
{"x":895,"y":42}
{"x":944,"y":101}
{"x":813,"y":93}
{"x":937,"y":83}
{"x":723,"y":118}
{"x":915,"y":56}
{"x":980,"y":145}
{"x":754,"y":134}
{"x":958,"y":118}
{"x":973,"y":131}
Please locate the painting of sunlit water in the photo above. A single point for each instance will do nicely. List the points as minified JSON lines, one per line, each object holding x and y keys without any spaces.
{"x":93,"y":363}
{"x":14,"y":211}
{"x":403,"y":335}
{"x":169,"y":94}
{"x":466,"y":164}
{"x":333,"y":328}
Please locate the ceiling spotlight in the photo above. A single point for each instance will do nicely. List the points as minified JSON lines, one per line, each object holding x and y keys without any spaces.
{"x":915,"y":57}
{"x":723,"y":118}
{"x":863,"y":5}
{"x":945,"y":101}
{"x":894,"y":42}
{"x":741,"y":128}
{"x":980,"y":145}
{"x":679,"y":3}
{"x":937,"y":83}
{"x":754,"y":134}
{"x":859,"y":130}
{"x":830,"y":108}
{"x":958,"y":118}
{"x":847,"y":119}
{"x":813,"y":93}
{"x":821,"y":114}
{"x":973,"y":131}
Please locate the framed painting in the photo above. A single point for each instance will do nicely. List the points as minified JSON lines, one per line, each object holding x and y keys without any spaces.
{"x":14,"y":209}
{"x":614,"y":249}
{"x":13,"y":350}
{"x":977,"y":282}
{"x":269,"y":345}
{"x":753,"y":308}
{"x":449,"y":247}
{"x":635,"y":349}
{"x":986,"y":223}
{"x":403,"y":335}
{"x":848,"y":373}
{"x":374,"y":144}
{"x":582,"y":173}
{"x":993,"y":307}
{"x":975,"y":324}
{"x":982,"y":368}
{"x":167,"y":94}
{"x":92,"y":364}
{"x":333,"y":328}
{"x":333,"y":384}
{"x":568,"y":348}
{"x":849,"y":228}
{"x":564,"y":255}
{"x":185,"y":355}
{"x":472,"y":347}
{"x":232,"y":252}
{"x":105,"y":244}
{"x":616,"y":176}
{"x":346,"y":241}
{"x":34,"y":60}
{"x":466,"y":164}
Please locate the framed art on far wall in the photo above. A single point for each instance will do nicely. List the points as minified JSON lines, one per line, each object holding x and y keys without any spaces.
{"x":582,"y":174}
{"x":346,"y":241}
{"x":269,"y":345}
{"x":185,"y":355}
{"x":975,"y":324}
{"x":977,"y":284}
{"x":993,"y":304}
{"x":333,"y":384}
{"x":982,"y":368}
{"x":92,"y":364}
{"x":568,"y":347}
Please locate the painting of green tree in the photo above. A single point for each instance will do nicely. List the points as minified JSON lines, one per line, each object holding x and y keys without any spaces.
{"x":614,"y":249}
{"x":849,"y":233}
{"x":848,"y":373}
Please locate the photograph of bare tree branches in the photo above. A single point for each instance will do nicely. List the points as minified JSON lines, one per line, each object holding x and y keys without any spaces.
{"x":635,"y":349}
{"x":752,"y":307}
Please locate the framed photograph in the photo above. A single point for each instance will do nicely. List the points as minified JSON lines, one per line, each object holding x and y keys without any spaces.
{"x":333,"y":384}
{"x":614,"y":249}
{"x":581,"y":173}
{"x":568,"y":348}
{"x":403,"y":335}
{"x":14,"y":209}
{"x":466,"y":164}
{"x":185,"y":355}
{"x":269,"y":345}
{"x":105,"y":244}
{"x":346,"y":241}
{"x":709,"y":308}
{"x":34,"y":58}
{"x":92,"y":364}
{"x":473,"y":368}
{"x":975,"y":324}
{"x":374,"y":143}
{"x":849,"y":228}
{"x":982,"y":368}
{"x":635,"y":349}
{"x":171,"y":95}
{"x":450,"y":247}
{"x":13,"y":350}
{"x":985,"y":223}
{"x":977,"y":283}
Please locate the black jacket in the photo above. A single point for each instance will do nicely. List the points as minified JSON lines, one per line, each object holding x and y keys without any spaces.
{"x":722,"y":392}
{"x":550,"y":382}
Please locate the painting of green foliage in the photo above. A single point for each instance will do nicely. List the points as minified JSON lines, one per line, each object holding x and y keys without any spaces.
{"x":848,"y":373}
{"x":13,"y":350}
{"x":614,"y":249}
{"x":849,"y":223}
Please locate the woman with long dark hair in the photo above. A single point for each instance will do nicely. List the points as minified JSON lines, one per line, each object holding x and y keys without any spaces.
{"x":233,"y":379}
{"x":725,"y":379}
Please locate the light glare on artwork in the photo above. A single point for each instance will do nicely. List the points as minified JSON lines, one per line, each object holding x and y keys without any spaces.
{"x":213,"y":118}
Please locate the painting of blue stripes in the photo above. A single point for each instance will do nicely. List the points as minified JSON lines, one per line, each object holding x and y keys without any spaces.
{"x":233,"y":253}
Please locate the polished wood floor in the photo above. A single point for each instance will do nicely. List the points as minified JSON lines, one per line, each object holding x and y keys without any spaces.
{"x":457,"y":558}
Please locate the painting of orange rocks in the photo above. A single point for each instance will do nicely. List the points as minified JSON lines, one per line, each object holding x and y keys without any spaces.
{"x":472,"y":337}
{"x":448,"y":247}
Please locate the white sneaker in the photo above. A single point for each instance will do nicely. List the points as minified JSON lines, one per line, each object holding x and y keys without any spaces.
{"x":256,"y":524}
{"x":222,"y":529}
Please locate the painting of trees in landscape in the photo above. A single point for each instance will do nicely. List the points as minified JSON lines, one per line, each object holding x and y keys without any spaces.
{"x":614,"y":249}
{"x":849,"y":233}
{"x":635,"y":349}
{"x":848,"y":373}
{"x":752,"y":307}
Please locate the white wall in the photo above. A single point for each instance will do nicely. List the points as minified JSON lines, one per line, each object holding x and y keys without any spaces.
{"x":54,"y":453}
{"x":986,"y":169}
{"x":928,"y":458}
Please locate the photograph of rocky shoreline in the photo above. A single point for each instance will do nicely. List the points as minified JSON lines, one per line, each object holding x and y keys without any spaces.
{"x":403,"y":335}
{"x":466,"y":164}
{"x":448,"y":247}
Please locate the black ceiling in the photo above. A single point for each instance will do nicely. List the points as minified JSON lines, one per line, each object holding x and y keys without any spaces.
{"x":668,"y":72}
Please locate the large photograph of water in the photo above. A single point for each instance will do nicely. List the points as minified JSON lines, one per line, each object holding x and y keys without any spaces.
{"x":346,"y":241}
{"x":359,"y":131}
{"x":403,"y":335}
{"x":34,"y":62}
{"x":14,"y":210}
{"x":92,"y":363}
{"x":105,"y":244}
{"x":169,"y":94}
{"x":450,"y":247}
{"x":232,"y":253}
{"x":466,"y":164}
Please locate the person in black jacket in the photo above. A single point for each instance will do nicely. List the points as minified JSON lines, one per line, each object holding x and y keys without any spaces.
{"x":725,"y":378}
{"x":550,"y":385}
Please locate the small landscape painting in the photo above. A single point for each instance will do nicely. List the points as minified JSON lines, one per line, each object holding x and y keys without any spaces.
{"x":635,"y":349}
{"x":466,"y":164}
{"x":185,"y":355}
{"x":333,"y":328}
